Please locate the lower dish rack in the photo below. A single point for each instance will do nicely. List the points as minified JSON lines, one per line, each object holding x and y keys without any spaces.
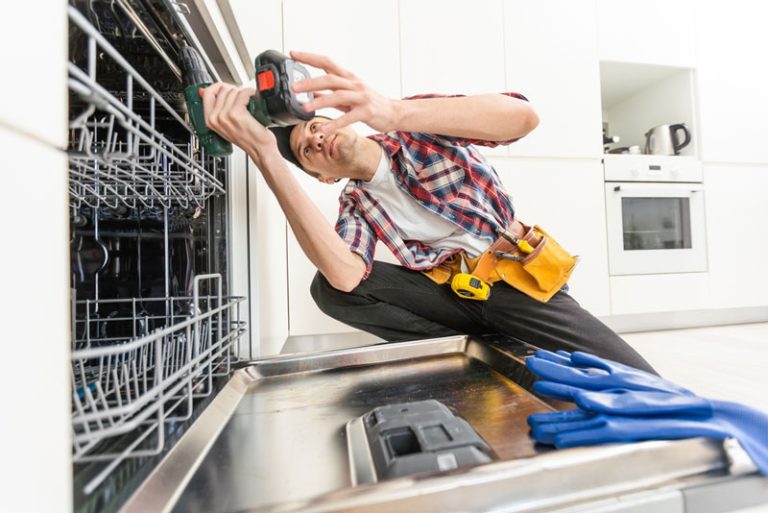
{"x":126,"y":388}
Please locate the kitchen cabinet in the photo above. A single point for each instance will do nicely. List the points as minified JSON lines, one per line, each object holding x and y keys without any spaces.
{"x":551,"y":57}
{"x":35,"y":435}
{"x":566,"y":199}
{"x":340,"y":29}
{"x":318,"y":28}
{"x":260,"y":23}
{"x":738,"y":240}
{"x":732,"y":80}
{"x":35,"y":378}
{"x":33,"y":67}
{"x":647,"y":31}
{"x":270,"y":258}
{"x":450,"y":48}
{"x":447,"y":48}
{"x":659,"y":293}
{"x":305,"y":318}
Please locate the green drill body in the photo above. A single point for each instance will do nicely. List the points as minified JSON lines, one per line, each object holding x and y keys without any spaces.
{"x":285,"y":109}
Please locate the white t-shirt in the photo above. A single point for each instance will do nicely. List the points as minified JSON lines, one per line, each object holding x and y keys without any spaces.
{"x":414,"y":221}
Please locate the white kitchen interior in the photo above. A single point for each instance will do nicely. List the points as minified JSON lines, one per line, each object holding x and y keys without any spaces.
{"x":695,"y":306}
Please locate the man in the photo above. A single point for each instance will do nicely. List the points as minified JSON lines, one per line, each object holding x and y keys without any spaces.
{"x":423,"y":189}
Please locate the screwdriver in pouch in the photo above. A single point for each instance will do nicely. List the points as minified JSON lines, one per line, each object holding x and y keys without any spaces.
{"x":522,"y":245}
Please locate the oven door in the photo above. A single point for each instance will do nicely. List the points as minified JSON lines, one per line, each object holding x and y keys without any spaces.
{"x":655,"y":228}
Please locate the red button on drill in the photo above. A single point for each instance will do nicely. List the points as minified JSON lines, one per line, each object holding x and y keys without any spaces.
{"x":266,"y":80}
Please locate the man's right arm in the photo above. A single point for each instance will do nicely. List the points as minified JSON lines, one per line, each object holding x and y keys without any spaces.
{"x":323,"y":246}
{"x":226,"y":112}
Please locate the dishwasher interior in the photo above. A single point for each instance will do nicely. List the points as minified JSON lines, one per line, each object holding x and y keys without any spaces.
{"x":154,"y":331}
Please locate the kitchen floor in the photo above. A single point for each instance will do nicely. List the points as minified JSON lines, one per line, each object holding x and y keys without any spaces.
{"x":723,"y":362}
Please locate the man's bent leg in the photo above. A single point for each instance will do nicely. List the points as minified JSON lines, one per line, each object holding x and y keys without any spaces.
{"x":561,"y":323}
{"x":397,"y":304}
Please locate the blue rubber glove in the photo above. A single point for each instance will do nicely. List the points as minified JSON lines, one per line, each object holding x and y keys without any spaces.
{"x":621,"y":415}
{"x":621,"y":401}
{"x":591,"y":372}
{"x":727,"y":420}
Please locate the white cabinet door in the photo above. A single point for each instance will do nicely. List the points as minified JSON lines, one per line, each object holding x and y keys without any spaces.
{"x":647,"y":31}
{"x":733,"y":80}
{"x":33,"y":38}
{"x":651,"y":293}
{"x":260,"y":24}
{"x":551,"y":57}
{"x":452,"y":46}
{"x":36,"y":463}
{"x":738,"y":238}
{"x":304,"y":317}
{"x":363,"y":38}
{"x":567,"y":200}
{"x":449,"y":47}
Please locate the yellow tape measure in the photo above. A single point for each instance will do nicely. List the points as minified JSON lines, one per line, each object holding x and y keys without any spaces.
{"x":469,"y":286}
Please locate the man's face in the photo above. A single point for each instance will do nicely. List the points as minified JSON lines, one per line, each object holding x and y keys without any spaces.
{"x":326,"y":158}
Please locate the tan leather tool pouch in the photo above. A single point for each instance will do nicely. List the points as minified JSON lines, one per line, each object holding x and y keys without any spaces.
{"x":539,"y":274}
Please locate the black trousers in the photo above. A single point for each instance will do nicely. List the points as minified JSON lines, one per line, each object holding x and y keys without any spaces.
{"x":398,"y":304}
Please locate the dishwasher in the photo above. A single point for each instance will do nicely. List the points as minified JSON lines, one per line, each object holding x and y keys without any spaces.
{"x":154,"y":331}
{"x":170,"y":410}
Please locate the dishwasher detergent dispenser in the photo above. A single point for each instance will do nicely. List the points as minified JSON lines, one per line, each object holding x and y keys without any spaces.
{"x":402,"y":439}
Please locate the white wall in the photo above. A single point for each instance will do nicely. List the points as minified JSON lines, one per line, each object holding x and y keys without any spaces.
{"x":669,"y":68}
{"x":35,"y":430}
{"x":408,"y":47}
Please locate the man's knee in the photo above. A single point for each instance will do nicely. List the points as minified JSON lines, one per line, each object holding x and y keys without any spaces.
{"x":327,"y":298}
{"x":322,"y":292}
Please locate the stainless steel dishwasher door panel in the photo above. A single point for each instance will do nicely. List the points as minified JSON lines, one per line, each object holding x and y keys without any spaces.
{"x":286,"y":440}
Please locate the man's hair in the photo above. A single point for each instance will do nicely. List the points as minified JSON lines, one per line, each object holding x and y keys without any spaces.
{"x":283,"y":136}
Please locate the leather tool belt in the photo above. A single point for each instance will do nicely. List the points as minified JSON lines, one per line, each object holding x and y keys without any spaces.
{"x":526,"y":258}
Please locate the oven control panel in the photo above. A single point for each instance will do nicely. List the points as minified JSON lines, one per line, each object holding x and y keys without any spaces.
{"x":652,"y":168}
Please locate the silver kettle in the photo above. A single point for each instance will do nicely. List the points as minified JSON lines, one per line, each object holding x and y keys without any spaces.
{"x":663,"y":139}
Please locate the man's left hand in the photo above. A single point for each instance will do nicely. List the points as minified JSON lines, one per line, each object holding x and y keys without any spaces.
{"x":347,"y":94}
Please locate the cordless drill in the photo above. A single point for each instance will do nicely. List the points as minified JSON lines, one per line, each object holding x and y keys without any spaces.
{"x":274,"y":103}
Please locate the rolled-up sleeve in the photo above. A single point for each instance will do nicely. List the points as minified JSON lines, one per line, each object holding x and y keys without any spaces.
{"x":356,"y":232}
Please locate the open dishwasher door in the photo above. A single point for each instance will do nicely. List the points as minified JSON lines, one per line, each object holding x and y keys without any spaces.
{"x":275,"y":440}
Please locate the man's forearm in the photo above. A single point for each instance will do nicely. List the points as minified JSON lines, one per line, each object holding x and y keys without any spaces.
{"x":317,"y":238}
{"x":491,"y":117}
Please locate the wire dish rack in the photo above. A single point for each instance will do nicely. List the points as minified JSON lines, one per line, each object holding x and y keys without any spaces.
{"x":118,"y":153}
{"x":143,"y":366}
{"x":126,"y":388}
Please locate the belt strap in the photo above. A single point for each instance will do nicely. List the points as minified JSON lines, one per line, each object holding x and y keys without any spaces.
{"x":484,"y":264}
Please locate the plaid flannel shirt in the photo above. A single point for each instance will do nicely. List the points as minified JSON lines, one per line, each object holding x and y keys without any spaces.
{"x":446,"y":175}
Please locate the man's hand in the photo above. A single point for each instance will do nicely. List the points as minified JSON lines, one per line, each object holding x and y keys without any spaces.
{"x":348,"y":94}
{"x":226,"y":112}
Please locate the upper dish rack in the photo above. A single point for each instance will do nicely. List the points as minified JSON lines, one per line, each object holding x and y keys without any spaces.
{"x":118,"y":153}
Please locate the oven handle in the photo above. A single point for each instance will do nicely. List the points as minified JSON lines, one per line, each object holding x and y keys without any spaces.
{"x":619,"y":188}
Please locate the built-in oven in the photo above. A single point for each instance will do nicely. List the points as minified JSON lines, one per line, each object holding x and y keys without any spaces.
{"x":654,"y":214}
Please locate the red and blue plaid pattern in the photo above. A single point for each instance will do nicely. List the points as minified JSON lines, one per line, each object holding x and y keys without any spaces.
{"x":446,"y":175}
